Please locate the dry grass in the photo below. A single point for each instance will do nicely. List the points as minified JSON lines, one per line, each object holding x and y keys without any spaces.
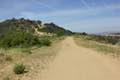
{"x":36,"y":59}
{"x":113,"y":50}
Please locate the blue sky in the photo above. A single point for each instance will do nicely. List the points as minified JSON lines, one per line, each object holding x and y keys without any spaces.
{"x":93,"y":16}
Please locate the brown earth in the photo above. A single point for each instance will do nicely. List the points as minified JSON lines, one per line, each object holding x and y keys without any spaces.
{"x":77,"y":63}
{"x":72,"y":62}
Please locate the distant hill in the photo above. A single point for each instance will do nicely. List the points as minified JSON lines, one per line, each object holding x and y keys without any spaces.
{"x":36,"y":27}
{"x":53,"y":28}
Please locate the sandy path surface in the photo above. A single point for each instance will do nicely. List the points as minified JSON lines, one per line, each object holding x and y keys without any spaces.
{"x":77,"y":63}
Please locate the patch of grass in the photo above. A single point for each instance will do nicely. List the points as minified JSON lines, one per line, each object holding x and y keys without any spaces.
{"x":34,"y":62}
{"x":27,"y":50}
{"x":102,"y":39}
{"x":106,"y":48}
{"x":4,"y":56}
{"x":8,"y":58}
{"x":6,"y":78}
{"x":19,"y":68}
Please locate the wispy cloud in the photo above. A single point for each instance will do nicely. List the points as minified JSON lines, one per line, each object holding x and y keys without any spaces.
{"x":43,"y":4}
{"x":85,"y":4}
{"x":73,"y":12}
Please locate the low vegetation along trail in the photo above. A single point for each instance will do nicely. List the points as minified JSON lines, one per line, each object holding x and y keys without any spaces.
{"x":77,"y":63}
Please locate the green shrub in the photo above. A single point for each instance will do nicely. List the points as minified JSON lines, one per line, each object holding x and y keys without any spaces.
{"x":45,"y":42}
{"x":18,"y":38}
{"x":112,"y":40}
{"x":19,"y":68}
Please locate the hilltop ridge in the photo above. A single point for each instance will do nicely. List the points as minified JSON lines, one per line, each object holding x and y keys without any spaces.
{"x":36,"y":26}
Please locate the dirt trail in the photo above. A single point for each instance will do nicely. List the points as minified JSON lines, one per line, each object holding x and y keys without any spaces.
{"x":77,"y":63}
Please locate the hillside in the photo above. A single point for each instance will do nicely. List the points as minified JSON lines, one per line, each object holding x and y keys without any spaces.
{"x":27,"y":33}
{"x":35,"y":26}
{"x":53,"y":28}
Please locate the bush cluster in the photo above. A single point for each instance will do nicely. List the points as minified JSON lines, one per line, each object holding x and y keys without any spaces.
{"x":19,"y":68}
{"x":104,"y":39}
{"x":19,"y":38}
{"x":45,"y":42}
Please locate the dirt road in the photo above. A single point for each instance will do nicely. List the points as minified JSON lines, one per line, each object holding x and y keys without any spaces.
{"x":78,"y":63}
